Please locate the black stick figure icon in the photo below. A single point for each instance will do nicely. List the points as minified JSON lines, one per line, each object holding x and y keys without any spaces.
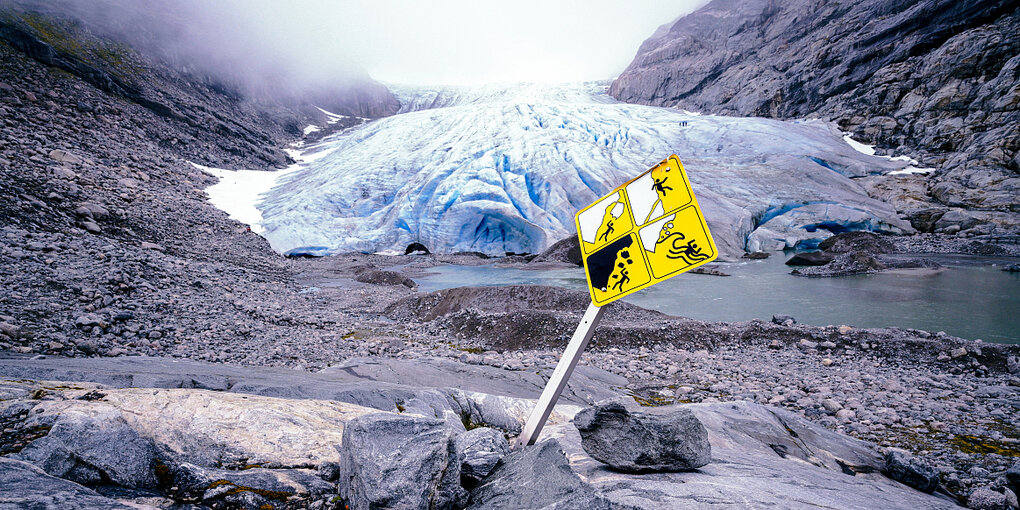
{"x":660,"y":187}
{"x":609,"y":230}
{"x":624,"y":278}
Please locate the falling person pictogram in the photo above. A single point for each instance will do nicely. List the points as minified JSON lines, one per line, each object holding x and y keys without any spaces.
{"x":659,"y":178}
{"x":677,"y":248}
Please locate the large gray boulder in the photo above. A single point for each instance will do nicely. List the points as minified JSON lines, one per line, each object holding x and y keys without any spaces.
{"x":535,"y":477}
{"x":481,"y":449}
{"x":634,"y":441}
{"x":904,"y":467}
{"x":92,"y":444}
{"x":984,"y":498}
{"x":25,"y":486}
{"x":399,"y":461}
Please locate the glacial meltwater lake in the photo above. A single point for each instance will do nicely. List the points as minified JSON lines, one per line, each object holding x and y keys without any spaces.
{"x":971,"y":298}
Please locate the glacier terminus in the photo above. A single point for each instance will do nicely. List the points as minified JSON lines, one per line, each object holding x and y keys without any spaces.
{"x":504,"y":168}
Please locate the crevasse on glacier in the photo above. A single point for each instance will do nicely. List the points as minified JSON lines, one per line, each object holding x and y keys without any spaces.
{"x":505,"y":168}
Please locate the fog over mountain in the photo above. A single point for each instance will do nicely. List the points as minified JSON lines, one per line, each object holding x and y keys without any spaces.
{"x":262,"y":47}
{"x":308,"y":43}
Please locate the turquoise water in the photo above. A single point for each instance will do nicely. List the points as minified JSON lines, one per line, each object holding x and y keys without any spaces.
{"x":970,"y":299}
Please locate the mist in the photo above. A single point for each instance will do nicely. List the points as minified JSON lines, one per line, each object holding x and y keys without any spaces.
{"x":267,"y":45}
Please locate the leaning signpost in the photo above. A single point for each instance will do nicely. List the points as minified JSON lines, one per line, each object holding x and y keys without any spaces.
{"x":648,"y":230}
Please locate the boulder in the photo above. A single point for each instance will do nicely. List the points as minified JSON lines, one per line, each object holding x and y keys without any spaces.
{"x":63,"y":156}
{"x":566,"y":250}
{"x":1013,"y":477}
{"x":856,"y":241}
{"x":481,"y":449}
{"x":955,"y":218}
{"x":536,"y":476}
{"x":399,"y":461}
{"x":784,"y":320}
{"x":984,"y":498}
{"x":636,"y":442}
{"x":378,"y":277}
{"x":809,"y":258}
{"x":924,"y":219}
{"x":904,"y":467}
{"x":92,"y":444}
{"x":27,"y":486}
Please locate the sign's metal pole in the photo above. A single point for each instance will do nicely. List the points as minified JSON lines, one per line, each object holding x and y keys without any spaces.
{"x":559,"y":378}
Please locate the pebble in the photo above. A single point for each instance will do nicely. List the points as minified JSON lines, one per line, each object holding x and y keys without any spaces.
{"x":804,"y":344}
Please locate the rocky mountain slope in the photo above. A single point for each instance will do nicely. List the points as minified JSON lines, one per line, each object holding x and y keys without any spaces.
{"x":936,"y":78}
{"x":216,"y":119}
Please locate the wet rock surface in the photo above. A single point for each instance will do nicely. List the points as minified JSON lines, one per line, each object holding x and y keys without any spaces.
{"x":855,"y":253}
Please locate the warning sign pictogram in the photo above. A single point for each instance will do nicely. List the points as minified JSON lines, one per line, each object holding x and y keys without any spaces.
{"x":646,"y":231}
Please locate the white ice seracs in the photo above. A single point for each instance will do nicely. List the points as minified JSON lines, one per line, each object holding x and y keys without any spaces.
{"x":504,"y":169}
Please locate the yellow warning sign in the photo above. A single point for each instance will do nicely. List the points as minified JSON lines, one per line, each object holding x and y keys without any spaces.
{"x":646,"y":231}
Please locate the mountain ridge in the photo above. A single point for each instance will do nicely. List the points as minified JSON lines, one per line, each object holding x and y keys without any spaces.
{"x":937,"y":79}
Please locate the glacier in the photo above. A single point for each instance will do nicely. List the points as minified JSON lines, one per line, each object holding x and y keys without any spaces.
{"x":504,"y":168}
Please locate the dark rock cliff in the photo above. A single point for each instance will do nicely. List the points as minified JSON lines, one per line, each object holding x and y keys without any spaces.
{"x":939,"y":79}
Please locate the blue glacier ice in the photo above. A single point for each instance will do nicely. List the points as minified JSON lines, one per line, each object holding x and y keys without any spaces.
{"x":504,"y":168}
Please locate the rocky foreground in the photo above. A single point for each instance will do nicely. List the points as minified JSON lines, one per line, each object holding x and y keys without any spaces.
{"x":385,"y":433}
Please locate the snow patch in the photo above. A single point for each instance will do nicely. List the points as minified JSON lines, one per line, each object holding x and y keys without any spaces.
{"x":311,"y":128}
{"x":858,"y":146}
{"x":912,"y":170}
{"x":870,"y":151}
{"x":238,"y":192}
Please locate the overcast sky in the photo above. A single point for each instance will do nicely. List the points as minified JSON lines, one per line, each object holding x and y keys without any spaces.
{"x":461,"y":41}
